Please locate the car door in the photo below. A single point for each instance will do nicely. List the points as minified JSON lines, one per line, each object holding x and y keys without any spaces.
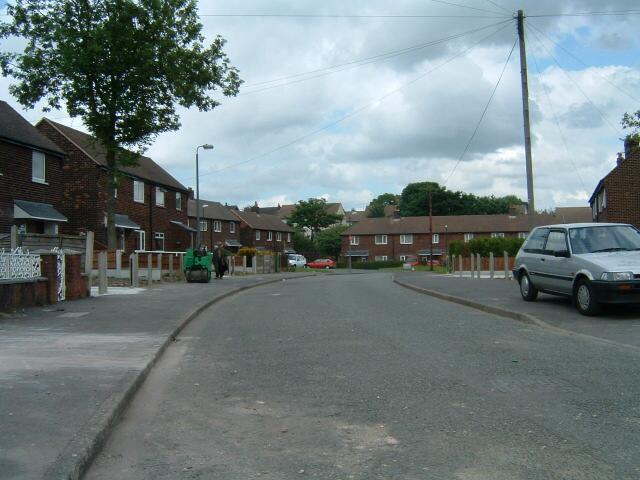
{"x":557,"y":270}
{"x":533,"y":259}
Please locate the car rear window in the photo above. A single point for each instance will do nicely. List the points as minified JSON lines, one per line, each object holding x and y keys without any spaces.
{"x":537,"y":239}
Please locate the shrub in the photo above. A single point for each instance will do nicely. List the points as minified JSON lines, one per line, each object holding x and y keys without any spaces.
{"x":247,"y":251}
{"x":484,"y":246}
{"x":371,"y":265}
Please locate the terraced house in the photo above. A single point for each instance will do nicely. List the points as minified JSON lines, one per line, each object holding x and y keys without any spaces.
{"x":264,"y":232}
{"x":151,"y":212}
{"x":217,"y":224}
{"x":397,"y":238}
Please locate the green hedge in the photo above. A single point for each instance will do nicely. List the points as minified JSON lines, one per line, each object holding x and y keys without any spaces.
{"x":371,"y":265}
{"x":484,"y":246}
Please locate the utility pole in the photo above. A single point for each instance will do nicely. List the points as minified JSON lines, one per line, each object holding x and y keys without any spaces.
{"x":525,"y":113}
{"x":430,"y":232}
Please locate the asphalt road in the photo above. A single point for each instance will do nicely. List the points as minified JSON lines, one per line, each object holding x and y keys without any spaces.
{"x":353,"y":377}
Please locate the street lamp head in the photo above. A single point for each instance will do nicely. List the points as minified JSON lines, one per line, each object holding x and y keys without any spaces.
{"x":207,"y":146}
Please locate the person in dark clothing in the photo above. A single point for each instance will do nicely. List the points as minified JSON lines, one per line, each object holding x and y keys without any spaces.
{"x":220,"y":263}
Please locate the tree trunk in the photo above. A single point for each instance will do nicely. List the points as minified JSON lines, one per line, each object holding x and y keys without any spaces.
{"x":111,"y":200}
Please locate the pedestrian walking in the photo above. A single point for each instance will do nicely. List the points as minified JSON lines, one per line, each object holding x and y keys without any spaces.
{"x":220,"y":263}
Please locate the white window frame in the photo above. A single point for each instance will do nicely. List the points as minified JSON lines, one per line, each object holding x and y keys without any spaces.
{"x":381,"y":258}
{"x":406,"y":239}
{"x":137,"y":186}
{"x":269,"y":236}
{"x":142,"y":240}
{"x":37,"y":156}
{"x":278,"y":236}
{"x":159,"y":197}
{"x":159,"y":236}
{"x":522,"y":235}
{"x":435,"y":238}
{"x":204,"y":225}
{"x":497,"y":235}
{"x":232,"y":227}
{"x":178,"y":201}
{"x":384,"y":239}
{"x":355,"y":240}
{"x":257,"y":234}
{"x":217,"y":226}
{"x":468,"y":237}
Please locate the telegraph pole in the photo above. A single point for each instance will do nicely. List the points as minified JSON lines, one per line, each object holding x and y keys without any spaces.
{"x":430,"y":231}
{"x":525,"y":113}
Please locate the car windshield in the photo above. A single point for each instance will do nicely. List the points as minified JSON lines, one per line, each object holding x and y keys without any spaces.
{"x":604,"y":239}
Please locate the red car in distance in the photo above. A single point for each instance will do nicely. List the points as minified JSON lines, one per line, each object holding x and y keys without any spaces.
{"x":322,"y":263}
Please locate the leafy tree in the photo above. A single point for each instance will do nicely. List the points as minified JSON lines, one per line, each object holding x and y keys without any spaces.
{"x":119,"y":65}
{"x":329,"y":241}
{"x":632,"y":122}
{"x":303,"y":244}
{"x":313,"y":215}
{"x":414,"y":201}
{"x":376,"y":207}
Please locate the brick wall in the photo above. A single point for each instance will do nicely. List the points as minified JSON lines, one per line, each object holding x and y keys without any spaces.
{"x":248,"y":239}
{"x":622,"y":187}
{"x":16,"y":182}
{"x":210,"y":238}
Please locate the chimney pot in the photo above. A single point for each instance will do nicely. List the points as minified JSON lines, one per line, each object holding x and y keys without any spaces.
{"x":620,"y":159}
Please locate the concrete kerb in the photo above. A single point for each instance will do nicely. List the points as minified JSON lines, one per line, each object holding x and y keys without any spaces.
{"x":503,"y":312}
{"x":80,"y":452}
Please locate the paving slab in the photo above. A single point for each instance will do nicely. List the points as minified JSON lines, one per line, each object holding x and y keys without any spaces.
{"x":67,"y":371}
{"x":619,"y":324}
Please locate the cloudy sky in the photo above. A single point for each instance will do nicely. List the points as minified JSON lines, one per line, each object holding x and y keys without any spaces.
{"x":349,"y":100}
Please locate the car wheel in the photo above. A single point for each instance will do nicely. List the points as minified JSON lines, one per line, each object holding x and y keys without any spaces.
{"x":528,"y":291}
{"x":584,"y":298}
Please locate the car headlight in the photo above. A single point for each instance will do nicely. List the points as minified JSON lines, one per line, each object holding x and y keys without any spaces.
{"x":617,"y":276}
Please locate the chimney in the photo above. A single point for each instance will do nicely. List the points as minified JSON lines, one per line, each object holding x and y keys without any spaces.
{"x":631,"y":145}
{"x":396,"y":213}
{"x":620,"y":159}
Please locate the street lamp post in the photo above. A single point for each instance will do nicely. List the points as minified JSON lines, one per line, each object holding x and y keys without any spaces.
{"x":446,"y":246}
{"x":206,"y":146}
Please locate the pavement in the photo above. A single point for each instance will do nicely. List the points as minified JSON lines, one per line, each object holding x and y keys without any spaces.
{"x":68,"y":371}
{"x":617,"y":324}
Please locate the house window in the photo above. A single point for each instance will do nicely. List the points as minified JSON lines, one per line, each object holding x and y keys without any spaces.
{"x":159,"y":196}
{"x":289,"y":237}
{"x":355,"y":240}
{"x":138,"y":191}
{"x":203,"y":226}
{"x":178,"y":201}
{"x":435,"y":238}
{"x":232,"y":227}
{"x":257,"y":234}
{"x":522,"y":235}
{"x":141,"y":239}
{"x":381,"y":239}
{"x":468,"y":237}
{"x":406,"y":239}
{"x":217,"y":226}
{"x":497,"y":235}
{"x":269,"y":236}
{"x":38,"y":167}
{"x":381,"y":258}
{"x":278,"y":236}
{"x":159,"y":241}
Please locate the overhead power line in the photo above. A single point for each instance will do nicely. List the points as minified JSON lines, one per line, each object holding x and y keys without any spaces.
{"x":486,"y":107}
{"x":330,"y":16}
{"x":465,"y":6}
{"x":321,"y":72}
{"x":588,"y":14}
{"x":358,"y":110}
{"x":500,"y":7}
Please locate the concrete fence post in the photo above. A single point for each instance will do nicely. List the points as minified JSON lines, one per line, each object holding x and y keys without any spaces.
{"x":160,"y":266}
{"x":460,"y":264}
{"x":472,"y":265}
{"x":134,"y":268}
{"x":491,"y":265}
{"x":182,"y":275}
{"x":244,"y":264}
{"x":149,"y":270}
{"x":479,"y":264}
{"x":14,"y":237}
{"x":254,"y":263}
{"x":506,"y":265}
{"x":171,"y":265}
{"x":88,"y":256}
{"x":102,"y":272}
{"x":118,"y":263}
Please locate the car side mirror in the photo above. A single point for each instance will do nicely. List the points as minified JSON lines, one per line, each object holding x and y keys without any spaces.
{"x":561,"y":253}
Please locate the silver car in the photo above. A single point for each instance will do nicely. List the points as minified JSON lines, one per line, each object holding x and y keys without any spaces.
{"x":593,"y":263}
{"x":296,"y":260}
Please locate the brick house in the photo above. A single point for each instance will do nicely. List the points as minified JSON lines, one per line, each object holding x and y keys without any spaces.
{"x":217,"y":224}
{"x":616,"y":198}
{"x":284,"y":211}
{"x":396,"y":238}
{"x":151,"y":210}
{"x":31,"y":177}
{"x":264,"y":232}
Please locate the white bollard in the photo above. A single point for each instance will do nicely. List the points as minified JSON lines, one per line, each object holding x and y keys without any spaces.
{"x":491,"y":265}
{"x":160,"y":266}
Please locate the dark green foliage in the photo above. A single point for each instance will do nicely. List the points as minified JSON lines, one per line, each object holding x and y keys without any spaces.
{"x":122,"y":66}
{"x":303,"y":244}
{"x":632,"y":122}
{"x":376,"y":207}
{"x":414,"y":201}
{"x":371,"y":265}
{"x":313,"y":214}
{"x":329,"y":241}
{"x":484,"y":246}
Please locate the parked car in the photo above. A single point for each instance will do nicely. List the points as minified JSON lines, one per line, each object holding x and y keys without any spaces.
{"x":322,"y":263}
{"x":593,"y":263}
{"x":296,"y":260}
{"x":411,"y":260}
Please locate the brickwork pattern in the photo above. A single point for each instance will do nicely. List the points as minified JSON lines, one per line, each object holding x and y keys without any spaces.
{"x":622,"y":186}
